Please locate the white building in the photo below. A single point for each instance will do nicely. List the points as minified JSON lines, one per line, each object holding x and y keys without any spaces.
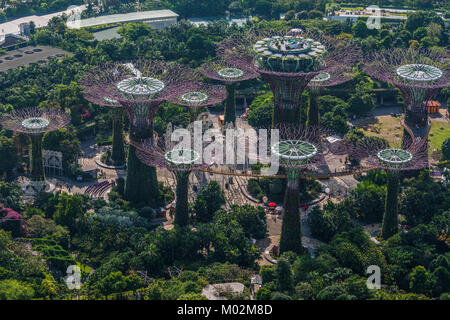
{"x":156,"y":18}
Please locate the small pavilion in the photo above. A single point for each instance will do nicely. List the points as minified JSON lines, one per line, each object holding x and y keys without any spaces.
{"x":433,"y":106}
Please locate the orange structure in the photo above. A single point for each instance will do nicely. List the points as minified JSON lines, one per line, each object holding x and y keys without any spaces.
{"x":221,"y":119}
{"x":433,"y":106}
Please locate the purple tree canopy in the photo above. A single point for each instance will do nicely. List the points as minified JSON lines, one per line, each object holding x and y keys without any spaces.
{"x":197,"y":94}
{"x":414,"y":68}
{"x":34,"y":120}
{"x":377,"y":154}
{"x":233,"y":68}
{"x":141,"y":80}
{"x":293,"y":55}
{"x":162,"y":153}
{"x":332,"y":78}
{"x":300,"y":146}
{"x":139,"y":86}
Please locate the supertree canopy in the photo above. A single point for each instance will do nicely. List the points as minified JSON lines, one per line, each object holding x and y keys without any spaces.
{"x":229,"y":71}
{"x":323,"y":80}
{"x":118,"y":145}
{"x":377,"y":154}
{"x":299,"y":148}
{"x":418,"y":73}
{"x":35,"y":122}
{"x":161,"y":152}
{"x":288,"y":61}
{"x":140,"y":87}
{"x":196,"y":95}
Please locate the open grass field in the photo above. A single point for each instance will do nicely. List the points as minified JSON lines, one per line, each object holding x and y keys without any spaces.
{"x":386,"y":127}
{"x":390,"y":128}
{"x":439,"y":132}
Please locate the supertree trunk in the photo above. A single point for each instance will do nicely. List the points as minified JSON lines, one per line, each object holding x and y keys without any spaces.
{"x":390,"y":219}
{"x":291,"y":231}
{"x":230,"y":103}
{"x":415,"y":118}
{"x":313,"y":109}
{"x":141,"y":184}
{"x":287,"y":97}
{"x":281,"y":115}
{"x":118,"y":148}
{"x":37,"y":166}
{"x":416,"y":110}
{"x":182,"y":210}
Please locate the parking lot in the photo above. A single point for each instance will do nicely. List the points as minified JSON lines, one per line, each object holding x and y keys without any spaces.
{"x":28,"y":55}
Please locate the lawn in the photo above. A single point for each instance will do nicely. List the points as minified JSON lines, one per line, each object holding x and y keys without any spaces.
{"x":390,"y":128}
{"x":386,"y":127}
{"x":439,"y":132}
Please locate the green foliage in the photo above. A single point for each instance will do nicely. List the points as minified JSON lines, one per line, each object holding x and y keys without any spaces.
{"x":267,"y":273}
{"x":421,"y":281}
{"x":442,"y":280}
{"x":360,"y":104}
{"x":283,"y":275}
{"x":254,"y":189}
{"x":419,"y":19}
{"x":192,"y":296}
{"x":9,"y":150}
{"x":53,"y":252}
{"x":335,"y":121}
{"x":422,"y":199}
{"x":360,"y":29}
{"x":116,"y":282}
{"x":11,"y":196}
{"x":39,"y":227}
{"x":15,"y":290}
{"x":368,"y":202}
{"x":446,"y":149}
{"x":265,"y":292}
{"x":68,"y":209}
{"x":354,"y":250}
{"x":134,"y":31}
{"x":209,"y":200}
{"x":315,"y":14}
{"x":225,"y":272}
{"x":332,"y":219}
{"x":261,"y":110}
{"x":252,"y":220}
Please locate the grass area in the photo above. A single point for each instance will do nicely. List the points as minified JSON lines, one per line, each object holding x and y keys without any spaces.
{"x":439,"y":132}
{"x":389,"y":128}
{"x":386,"y":127}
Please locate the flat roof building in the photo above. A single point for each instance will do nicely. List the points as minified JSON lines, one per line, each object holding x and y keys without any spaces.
{"x":157,"y":18}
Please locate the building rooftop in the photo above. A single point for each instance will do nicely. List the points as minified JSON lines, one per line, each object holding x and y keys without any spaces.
{"x":12,"y":27}
{"x":126,"y":17}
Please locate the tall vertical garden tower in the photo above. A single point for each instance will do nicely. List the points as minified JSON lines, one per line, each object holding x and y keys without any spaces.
{"x":140,"y":87}
{"x":288,"y":62}
{"x":35,"y":123}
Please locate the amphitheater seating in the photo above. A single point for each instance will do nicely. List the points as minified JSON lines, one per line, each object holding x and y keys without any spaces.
{"x":98,"y":190}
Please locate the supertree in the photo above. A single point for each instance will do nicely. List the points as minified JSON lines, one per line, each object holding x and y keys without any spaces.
{"x":35,"y":123}
{"x":118,"y":145}
{"x":377,"y":154}
{"x":140,"y":87}
{"x":161,"y":152}
{"x":230,"y":72}
{"x":419,"y":74}
{"x":288,"y":61}
{"x":323,"y":80}
{"x":196,"y":95}
{"x":300,"y":148}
